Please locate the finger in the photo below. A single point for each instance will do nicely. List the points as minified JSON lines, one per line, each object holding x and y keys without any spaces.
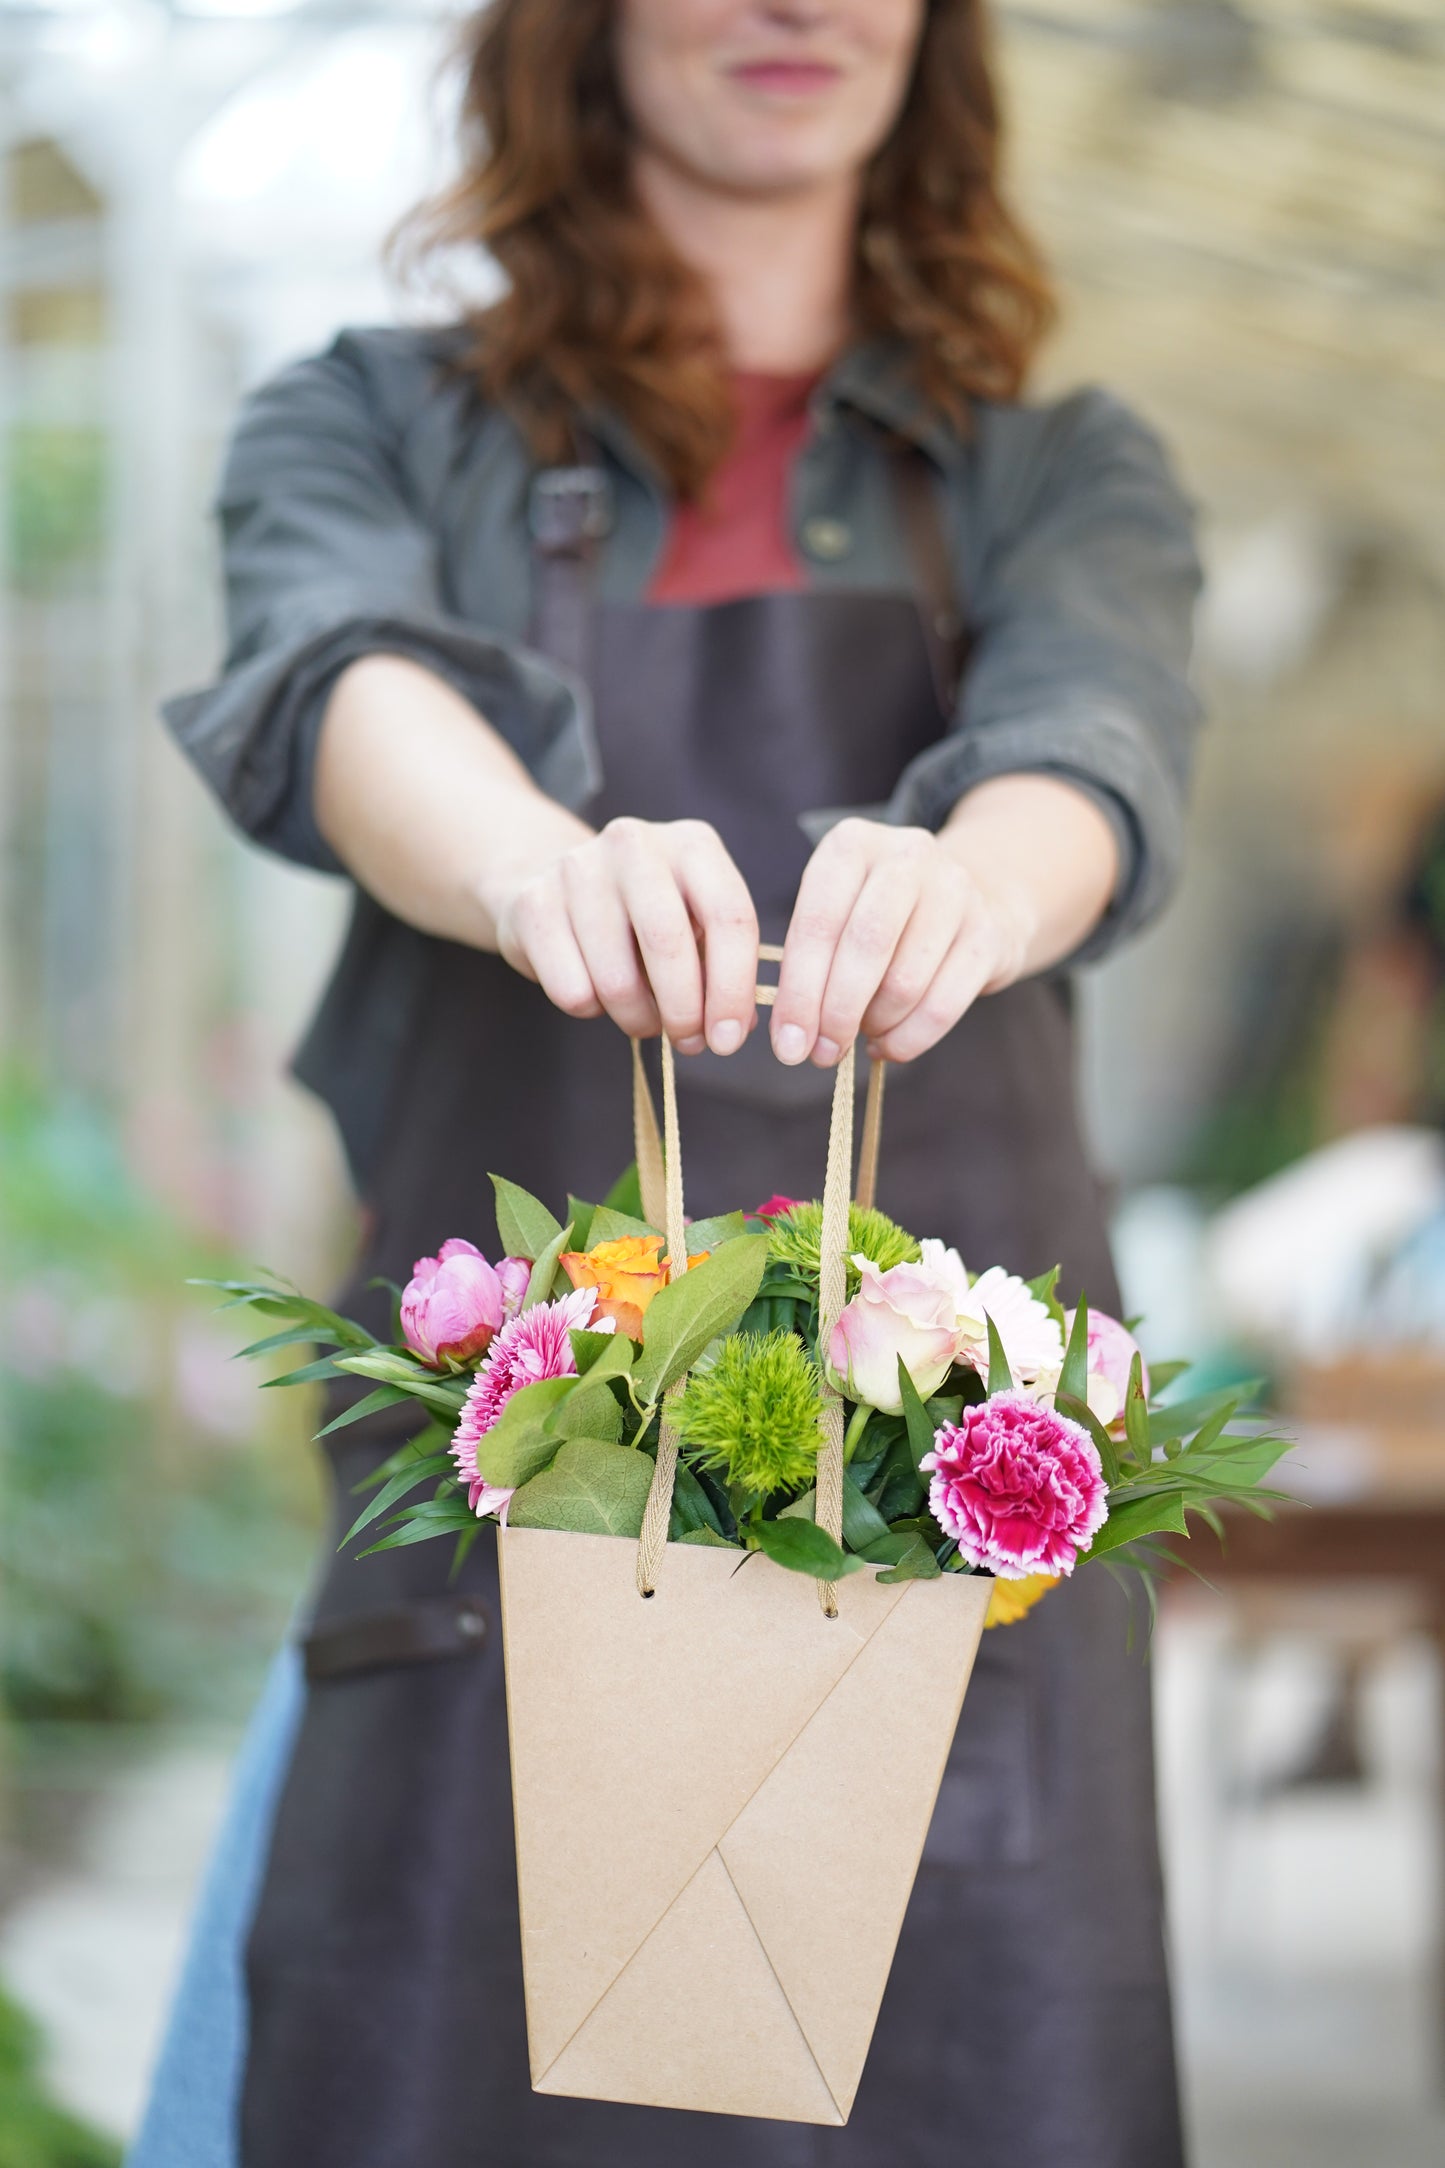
{"x":934,"y":925}
{"x":540,"y":944}
{"x":603,"y":930}
{"x":866,"y":948}
{"x":663,"y":931}
{"x":832,"y":881}
{"x":717,"y":896}
{"x":965,"y":972}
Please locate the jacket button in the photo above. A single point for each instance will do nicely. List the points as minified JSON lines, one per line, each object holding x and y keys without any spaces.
{"x":828,"y":539}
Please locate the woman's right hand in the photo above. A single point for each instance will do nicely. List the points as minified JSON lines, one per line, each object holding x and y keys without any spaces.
{"x":648,"y":922}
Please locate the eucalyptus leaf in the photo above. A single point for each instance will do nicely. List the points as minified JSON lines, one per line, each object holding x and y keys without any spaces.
{"x":523,"y":1221}
{"x":804,"y":1547}
{"x":520,"y":1445}
{"x":592,"y":1488}
{"x":704,"y":1301}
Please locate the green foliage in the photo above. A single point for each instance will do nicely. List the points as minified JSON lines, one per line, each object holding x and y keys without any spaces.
{"x":1000,"y":1377}
{"x":33,"y":2132}
{"x":522,"y":1443}
{"x":795,"y":1240}
{"x":523,"y":1221}
{"x":803,"y":1547}
{"x":685,"y":1315}
{"x":591,"y":1488}
{"x":753,"y":1415}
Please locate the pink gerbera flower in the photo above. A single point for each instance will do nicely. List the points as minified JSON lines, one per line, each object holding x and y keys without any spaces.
{"x":1019,"y":1487}
{"x":532,"y":1346}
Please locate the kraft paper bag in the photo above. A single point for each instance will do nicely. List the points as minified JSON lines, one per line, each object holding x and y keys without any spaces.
{"x":722,"y":1772}
{"x":721,"y":1796}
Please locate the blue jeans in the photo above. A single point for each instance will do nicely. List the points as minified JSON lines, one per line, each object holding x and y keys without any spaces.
{"x":191,"y":2120}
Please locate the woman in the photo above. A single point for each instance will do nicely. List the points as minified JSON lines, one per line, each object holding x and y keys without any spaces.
{"x":593,"y":638}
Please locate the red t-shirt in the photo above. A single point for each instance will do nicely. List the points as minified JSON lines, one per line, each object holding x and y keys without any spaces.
{"x":736,"y":541}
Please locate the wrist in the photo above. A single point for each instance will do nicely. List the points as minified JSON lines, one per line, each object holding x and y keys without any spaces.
{"x":1009,"y":908}
{"x":529,"y":833}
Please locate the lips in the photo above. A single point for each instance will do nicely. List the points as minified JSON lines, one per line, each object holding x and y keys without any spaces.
{"x":787,"y":78}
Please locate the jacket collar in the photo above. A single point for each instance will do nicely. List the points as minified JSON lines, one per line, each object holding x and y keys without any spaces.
{"x":877,"y":378}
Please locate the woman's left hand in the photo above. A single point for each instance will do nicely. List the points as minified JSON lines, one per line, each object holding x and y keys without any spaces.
{"x":894,"y":935}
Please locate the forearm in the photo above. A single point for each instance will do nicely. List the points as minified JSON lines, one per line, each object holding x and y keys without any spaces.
{"x":425,"y":804}
{"x":1046,"y":856}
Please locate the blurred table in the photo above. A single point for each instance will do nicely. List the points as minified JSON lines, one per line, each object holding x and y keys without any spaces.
{"x":1366,"y":1479}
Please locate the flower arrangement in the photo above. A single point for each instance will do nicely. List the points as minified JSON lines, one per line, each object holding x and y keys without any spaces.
{"x":988,"y":1429}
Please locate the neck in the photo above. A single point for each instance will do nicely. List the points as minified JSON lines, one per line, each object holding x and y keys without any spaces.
{"x":779,"y":268}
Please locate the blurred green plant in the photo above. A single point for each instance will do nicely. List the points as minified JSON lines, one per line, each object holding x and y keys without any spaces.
{"x":152,"y":1539}
{"x":33,"y":2132}
{"x":59,"y":479}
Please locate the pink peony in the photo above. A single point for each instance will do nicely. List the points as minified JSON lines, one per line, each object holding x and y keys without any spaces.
{"x":1112,"y":1348}
{"x":452,"y":1305}
{"x":774,"y":1207}
{"x":910,"y":1310}
{"x":532,"y":1346}
{"x":1018,"y":1486}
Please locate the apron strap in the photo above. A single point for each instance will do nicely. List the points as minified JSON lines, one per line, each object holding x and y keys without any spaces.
{"x":945,"y":634}
{"x":569,"y":510}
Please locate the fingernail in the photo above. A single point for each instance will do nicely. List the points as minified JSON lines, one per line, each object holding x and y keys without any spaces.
{"x":694,"y":1045}
{"x":726,"y":1036}
{"x":825,"y":1053}
{"x":790,"y":1044}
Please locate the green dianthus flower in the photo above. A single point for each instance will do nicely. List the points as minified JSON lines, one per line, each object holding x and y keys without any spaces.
{"x":754,"y":1415}
{"x":795,"y":1238}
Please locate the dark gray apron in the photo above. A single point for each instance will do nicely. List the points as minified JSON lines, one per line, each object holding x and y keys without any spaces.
{"x":1027,"y":2016}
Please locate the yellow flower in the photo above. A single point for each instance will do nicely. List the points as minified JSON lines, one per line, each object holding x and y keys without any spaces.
{"x":1011,"y":1600}
{"x":626,"y":1273}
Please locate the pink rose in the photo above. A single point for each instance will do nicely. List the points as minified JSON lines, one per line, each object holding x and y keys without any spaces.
{"x":908,"y":1311}
{"x":1018,"y":1486}
{"x":1112,"y":1348}
{"x":452,"y":1305}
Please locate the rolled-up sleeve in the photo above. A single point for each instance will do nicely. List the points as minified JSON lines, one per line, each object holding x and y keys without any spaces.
{"x":1081,"y":611}
{"x":327,"y":558}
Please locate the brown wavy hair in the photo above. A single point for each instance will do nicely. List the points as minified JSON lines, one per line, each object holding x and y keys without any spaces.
{"x":599,"y":310}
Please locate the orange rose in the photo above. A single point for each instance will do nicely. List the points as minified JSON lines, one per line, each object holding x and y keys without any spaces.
{"x":626,"y":1273}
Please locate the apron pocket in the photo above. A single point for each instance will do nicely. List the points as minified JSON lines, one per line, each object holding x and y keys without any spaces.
{"x":987,"y":1811}
{"x":421,"y":1632}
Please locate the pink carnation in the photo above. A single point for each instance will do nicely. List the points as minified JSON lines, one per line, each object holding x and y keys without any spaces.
{"x":532,"y":1346}
{"x":1018,"y":1486}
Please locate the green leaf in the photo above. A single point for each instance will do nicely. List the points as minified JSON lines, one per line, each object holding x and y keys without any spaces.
{"x":625,"y":1194}
{"x":579,"y":1215}
{"x":1000,"y":1377}
{"x":592,"y":1488}
{"x":385,"y":1396}
{"x":612,"y":1226}
{"x":590,"y":1410}
{"x":523,"y":1221}
{"x":862,"y":1523}
{"x":1074,"y":1377}
{"x":388,"y":1367}
{"x":441,"y":1517}
{"x":520,"y":1446}
{"x":1079,"y":1411}
{"x":1139,"y":1517}
{"x":539,"y":1286}
{"x":692,"y":1508}
{"x":710,"y":1537}
{"x":294,"y":1336}
{"x":710,"y":1234}
{"x":915,"y":1415}
{"x":423,"y":1468}
{"x":308,"y":1374}
{"x":915,"y":1561}
{"x":683,"y":1316}
{"x":804,"y":1547}
{"x":1162,"y":1375}
{"x":1044,"y":1290}
{"x":1176,"y":1419}
{"x":602,"y":1354}
{"x":1136,"y":1411}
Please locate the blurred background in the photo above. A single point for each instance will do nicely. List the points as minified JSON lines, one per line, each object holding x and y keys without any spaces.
{"x":1245,"y":202}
